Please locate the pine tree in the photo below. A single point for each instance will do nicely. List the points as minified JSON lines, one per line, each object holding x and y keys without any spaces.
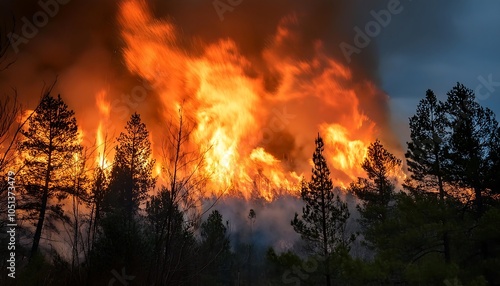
{"x":376,"y":191}
{"x":131,"y":175}
{"x":324,"y":215}
{"x":426,"y":150}
{"x":473,"y":141}
{"x":426,"y":155}
{"x":215,"y":249}
{"x":214,"y":233}
{"x":49,"y":145}
{"x":474,"y":146}
{"x":120,"y":241}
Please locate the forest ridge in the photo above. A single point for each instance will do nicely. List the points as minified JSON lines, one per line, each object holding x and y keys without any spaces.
{"x":443,"y":227}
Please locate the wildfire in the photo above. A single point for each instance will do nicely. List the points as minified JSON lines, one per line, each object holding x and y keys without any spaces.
{"x":257,"y":136}
{"x":102,"y":104}
{"x":104,"y":110}
{"x":344,"y":153}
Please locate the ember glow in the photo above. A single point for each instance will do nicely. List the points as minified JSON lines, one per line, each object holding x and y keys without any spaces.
{"x":101,"y":134}
{"x":245,"y":124}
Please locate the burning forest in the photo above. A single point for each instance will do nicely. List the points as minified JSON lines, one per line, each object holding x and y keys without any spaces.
{"x":242,"y":143}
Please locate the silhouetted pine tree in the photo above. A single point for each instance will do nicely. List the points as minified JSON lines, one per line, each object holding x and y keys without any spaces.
{"x":473,"y":152}
{"x":120,"y":242}
{"x":215,"y":251}
{"x":131,"y":175}
{"x":473,"y":142}
{"x":426,"y":150}
{"x":49,"y":145}
{"x":426,"y":155}
{"x":376,"y":191}
{"x":324,"y":215}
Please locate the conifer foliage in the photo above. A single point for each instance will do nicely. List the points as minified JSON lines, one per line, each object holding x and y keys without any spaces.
{"x":131,"y":175}
{"x":377,"y":190}
{"x":48,"y":149}
{"x":324,"y":215}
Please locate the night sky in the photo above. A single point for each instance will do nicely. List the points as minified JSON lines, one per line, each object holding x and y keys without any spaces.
{"x":432,"y":45}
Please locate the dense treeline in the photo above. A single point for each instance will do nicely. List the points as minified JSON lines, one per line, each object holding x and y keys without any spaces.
{"x":440,"y":227}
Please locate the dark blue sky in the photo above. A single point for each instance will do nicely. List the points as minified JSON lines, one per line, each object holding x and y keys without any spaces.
{"x":432,"y":45}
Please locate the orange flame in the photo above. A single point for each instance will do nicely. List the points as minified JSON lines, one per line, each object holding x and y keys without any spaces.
{"x":102,"y":104}
{"x":240,"y":118}
{"x":104,"y":110}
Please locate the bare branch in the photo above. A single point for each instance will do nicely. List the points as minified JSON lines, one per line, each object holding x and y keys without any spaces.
{"x":5,"y":41}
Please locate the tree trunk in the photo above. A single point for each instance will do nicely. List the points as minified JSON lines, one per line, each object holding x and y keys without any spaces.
{"x":39,"y":226}
{"x":446,"y":238}
{"x":325,"y":237}
{"x":43,"y":207}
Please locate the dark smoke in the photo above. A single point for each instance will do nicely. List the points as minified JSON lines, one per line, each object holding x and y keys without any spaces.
{"x":81,"y":43}
{"x":81,"y":47}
